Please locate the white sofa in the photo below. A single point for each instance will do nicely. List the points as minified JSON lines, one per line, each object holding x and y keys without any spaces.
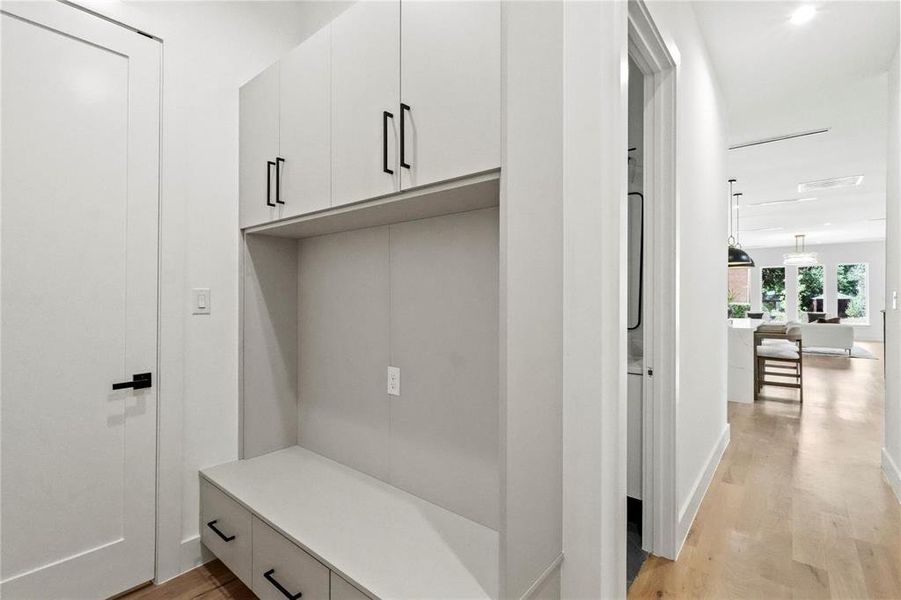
{"x":826,"y":335}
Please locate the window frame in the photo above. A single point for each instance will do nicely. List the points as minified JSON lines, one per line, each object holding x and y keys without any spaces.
{"x":798,"y":309}
{"x":784,"y":290}
{"x":865,"y":323}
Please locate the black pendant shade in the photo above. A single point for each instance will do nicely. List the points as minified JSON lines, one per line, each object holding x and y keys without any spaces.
{"x":739,"y":258}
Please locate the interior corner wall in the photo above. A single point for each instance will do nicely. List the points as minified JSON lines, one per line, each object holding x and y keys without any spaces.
{"x":891,"y":453}
{"x":873,"y":253}
{"x":209,"y":50}
{"x":702,"y":432}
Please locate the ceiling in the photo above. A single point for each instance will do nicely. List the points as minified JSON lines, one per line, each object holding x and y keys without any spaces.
{"x":779,"y":78}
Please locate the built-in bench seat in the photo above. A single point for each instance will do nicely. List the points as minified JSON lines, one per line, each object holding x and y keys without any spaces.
{"x":322,"y":529}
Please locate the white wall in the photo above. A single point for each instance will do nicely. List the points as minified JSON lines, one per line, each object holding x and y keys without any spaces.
{"x":891,"y":453}
{"x":830,"y":256}
{"x":209,"y":50}
{"x":531,"y":300}
{"x":701,"y":429}
{"x":595,"y":67}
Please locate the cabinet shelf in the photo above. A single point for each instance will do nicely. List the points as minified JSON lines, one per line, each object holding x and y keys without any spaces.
{"x":444,"y":198}
{"x":388,"y":542}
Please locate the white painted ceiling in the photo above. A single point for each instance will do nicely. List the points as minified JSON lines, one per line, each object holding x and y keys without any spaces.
{"x":779,"y":78}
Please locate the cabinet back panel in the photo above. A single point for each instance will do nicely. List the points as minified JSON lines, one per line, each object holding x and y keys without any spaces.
{"x":444,"y":338}
{"x":343,"y":333}
{"x":422,"y":296}
{"x":269,"y":384}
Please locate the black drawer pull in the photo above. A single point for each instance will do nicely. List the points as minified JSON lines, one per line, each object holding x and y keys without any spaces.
{"x":278,"y":180}
{"x":212,"y":525}
{"x":404,"y":108}
{"x":385,"y":116}
{"x":269,"y":577}
{"x":269,"y":165}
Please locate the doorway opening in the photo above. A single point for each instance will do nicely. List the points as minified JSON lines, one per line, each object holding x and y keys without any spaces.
{"x":651,"y":262}
{"x":635,"y":553}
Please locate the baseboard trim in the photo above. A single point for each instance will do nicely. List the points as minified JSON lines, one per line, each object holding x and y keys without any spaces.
{"x":689,"y":510}
{"x":539,"y":583}
{"x":892,"y":473}
{"x":192,"y":554}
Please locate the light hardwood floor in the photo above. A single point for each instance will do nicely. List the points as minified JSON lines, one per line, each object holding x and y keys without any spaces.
{"x":211,"y":581}
{"x":798,"y":507}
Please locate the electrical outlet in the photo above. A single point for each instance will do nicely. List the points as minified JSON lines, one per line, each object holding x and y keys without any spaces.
{"x":393,"y":381}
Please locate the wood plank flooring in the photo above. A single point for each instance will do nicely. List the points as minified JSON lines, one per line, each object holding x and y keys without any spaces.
{"x":798,"y":507}
{"x":211,"y":581}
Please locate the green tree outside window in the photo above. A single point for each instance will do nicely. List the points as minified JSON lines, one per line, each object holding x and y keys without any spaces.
{"x":772,"y":291}
{"x":810,"y":289}
{"x":851,"y":284}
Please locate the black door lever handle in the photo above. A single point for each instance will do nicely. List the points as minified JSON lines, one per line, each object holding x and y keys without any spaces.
{"x":139,"y":381}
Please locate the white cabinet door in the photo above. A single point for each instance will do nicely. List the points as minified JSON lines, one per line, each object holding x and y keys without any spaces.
{"x":258,"y":139}
{"x":305,"y":139}
{"x":451,"y":80}
{"x":633,"y":436}
{"x":365,"y":91}
{"x":78,"y":298}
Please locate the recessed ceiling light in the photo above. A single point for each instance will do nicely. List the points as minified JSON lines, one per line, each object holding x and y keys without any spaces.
{"x":772,"y":202}
{"x":803,"y":14}
{"x":827,"y":224}
{"x":830,"y":184}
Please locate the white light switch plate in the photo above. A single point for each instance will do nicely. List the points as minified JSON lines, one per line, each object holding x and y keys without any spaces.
{"x":393,"y":381}
{"x":200,"y":298}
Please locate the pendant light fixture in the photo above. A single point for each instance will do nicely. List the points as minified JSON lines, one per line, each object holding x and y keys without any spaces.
{"x":800,"y":257}
{"x":738,"y":258}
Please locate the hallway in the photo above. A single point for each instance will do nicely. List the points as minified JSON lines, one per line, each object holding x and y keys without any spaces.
{"x":798,"y":506}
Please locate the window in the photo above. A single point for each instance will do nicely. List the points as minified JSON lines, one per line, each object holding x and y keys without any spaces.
{"x":853,"y":299}
{"x":739,"y":293}
{"x":772,"y":291}
{"x":810,"y":291}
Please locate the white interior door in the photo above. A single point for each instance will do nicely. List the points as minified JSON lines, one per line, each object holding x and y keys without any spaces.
{"x":78,"y":303}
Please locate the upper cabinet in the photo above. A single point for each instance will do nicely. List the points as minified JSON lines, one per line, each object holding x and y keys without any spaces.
{"x":391,"y":95}
{"x":450,"y":89}
{"x":258,"y":139}
{"x":284,"y":136}
{"x":305,"y":139}
{"x":365,"y":100}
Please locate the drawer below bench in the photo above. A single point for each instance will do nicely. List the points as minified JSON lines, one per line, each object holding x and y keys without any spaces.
{"x":266,"y":561}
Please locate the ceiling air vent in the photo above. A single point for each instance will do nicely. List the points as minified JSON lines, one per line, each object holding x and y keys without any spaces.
{"x":829,"y":184}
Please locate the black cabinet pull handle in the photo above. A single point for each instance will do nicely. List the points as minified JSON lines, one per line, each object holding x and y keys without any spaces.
{"x":269,"y":577}
{"x":403,"y":138}
{"x":385,"y":116}
{"x":139,"y":381}
{"x":212,"y":525}
{"x":278,"y":179}
{"x":269,"y":165}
